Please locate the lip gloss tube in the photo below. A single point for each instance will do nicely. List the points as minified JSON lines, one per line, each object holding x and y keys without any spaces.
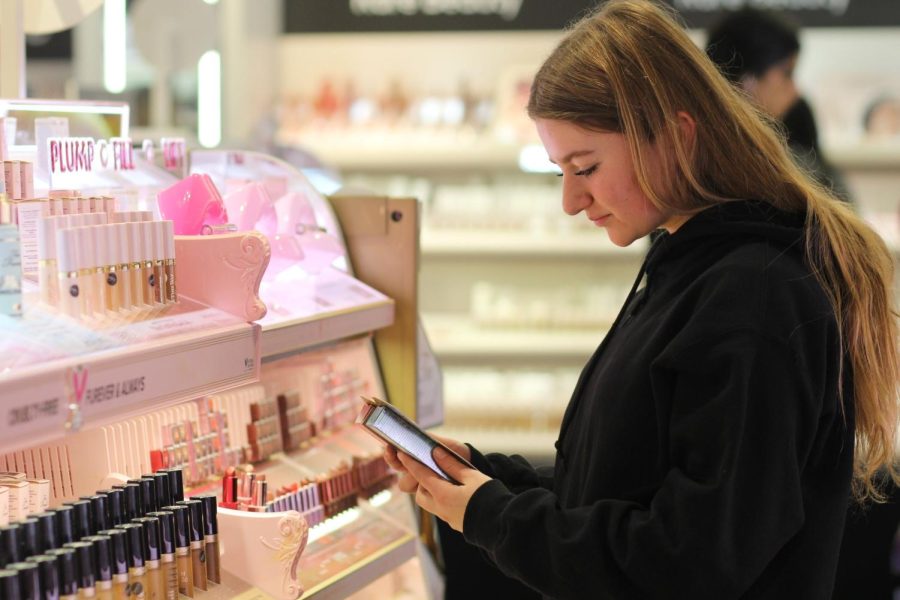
{"x":101,"y":548}
{"x":48,"y":575}
{"x":137,"y":572}
{"x":139,"y":263}
{"x":198,"y":547}
{"x":123,"y":269}
{"x":87,"y":272}
{"x":156,"y":232}
{"x":155,"y":582}
{"x":67,"y":569}
{"x":167,"y":553}
{"x":48,"y":278}
{"x":211,"y":536}
{"x":84,"y":560}
{"x":29,"y":580}
{"x":169,"y":260}
{"x":71,"y":298}
{"x":119,"y":553}
{"x":183,"y":567}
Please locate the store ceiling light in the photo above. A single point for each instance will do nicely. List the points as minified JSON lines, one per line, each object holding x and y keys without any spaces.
{"x":114,"y":51}
{"x":209,"y":99}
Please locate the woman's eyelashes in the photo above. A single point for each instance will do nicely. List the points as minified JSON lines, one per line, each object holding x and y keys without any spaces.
{"x":583,"y":172}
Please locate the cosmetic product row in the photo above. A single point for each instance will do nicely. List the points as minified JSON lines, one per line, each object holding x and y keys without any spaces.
{"x":16,"y":184}
{"x":244,"y":490}
{"x":21,"y":496}
{"x":141,"y":539}
{"x":103,"y":273}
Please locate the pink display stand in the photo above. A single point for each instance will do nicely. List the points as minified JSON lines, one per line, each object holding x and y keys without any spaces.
{"x":224,"y":271}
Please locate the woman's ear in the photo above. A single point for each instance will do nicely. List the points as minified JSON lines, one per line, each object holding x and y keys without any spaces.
{"x":688,"y":126}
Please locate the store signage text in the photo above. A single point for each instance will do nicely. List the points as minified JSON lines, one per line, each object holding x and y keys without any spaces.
{"x":507,"y":9}
{"x":835,"y":7}
{"x":82,"y":155}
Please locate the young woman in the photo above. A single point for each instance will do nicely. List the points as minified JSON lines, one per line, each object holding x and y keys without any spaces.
{"x":745,"y":391}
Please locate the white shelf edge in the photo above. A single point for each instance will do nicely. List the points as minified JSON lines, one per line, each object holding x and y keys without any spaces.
{"x":526,"y":244}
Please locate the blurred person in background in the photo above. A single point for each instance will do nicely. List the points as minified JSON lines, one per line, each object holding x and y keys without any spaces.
{"x":758,"y":52}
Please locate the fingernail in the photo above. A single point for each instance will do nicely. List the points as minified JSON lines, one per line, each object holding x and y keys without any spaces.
{"x":439,"y":453}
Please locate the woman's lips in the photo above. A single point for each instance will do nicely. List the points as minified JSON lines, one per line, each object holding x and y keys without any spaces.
{"x":600,"y":221}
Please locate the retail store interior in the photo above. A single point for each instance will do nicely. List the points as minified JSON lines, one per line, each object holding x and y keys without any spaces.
{"x":361,"y":207}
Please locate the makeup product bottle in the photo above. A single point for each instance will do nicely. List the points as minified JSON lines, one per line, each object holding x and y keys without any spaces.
{"x":29,"y":580}
{"x":137,"y":573}
{"x":84,"y":561}
{"x":169,"y":259}
{"x":183,"y":566}
{"x":99,"y":511}
{"x":211,"y":536}
{"x":133,"y":507}
{"x":48,"y":575}
{"x":167,"y":553}
{"x":9,"y":584}
{"x":48,"y":538}
{"x":148,"y":494}
{"x":87,"y":272}
{"x":111,"y":259}
{"x":119,"y":553}
{"x":101,"y":548}
{"x":81,"y":513}
{"x":176,"y":483}
{"x":48,"y":278}
{"x":163,"y":491}
{"x":198,"y":543}
{"x":67,"y":569}
{"x":140,"y":263}
{"x":155,"y":579}
{"x":28,"y":537}
{"x":100,"y":245}
{"x":71,"y":298}
{"x":113,"y":506}
{"x":65,"y":524}
{"x":153,"y":239}
{"x":123,"y":255}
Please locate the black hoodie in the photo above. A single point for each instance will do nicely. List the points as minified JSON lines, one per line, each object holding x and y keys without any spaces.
{"x":704,"y":452}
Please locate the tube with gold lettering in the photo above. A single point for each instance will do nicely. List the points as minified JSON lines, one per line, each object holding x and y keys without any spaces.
{"x":71,"y":297}
{"x":101,"y":546}
{"x":169,"y":260}
{"x":183,"y":567}
{"x":137,"y":571}
{"x":167,"y":552}
{"x":198,"y":543}
{"x":119,"y":552}
{"x":141,"y":295}
{"x":48,"y":277}
{"x":156,"y":583}
{"x":211,"y":535}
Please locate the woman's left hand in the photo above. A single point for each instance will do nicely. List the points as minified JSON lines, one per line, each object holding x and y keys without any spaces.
{"x":438,"y":496}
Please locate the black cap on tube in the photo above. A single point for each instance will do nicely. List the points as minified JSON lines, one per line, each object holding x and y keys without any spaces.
{"x":182,"y":524}
{"x":114,"y":499}
{"x":10,"y":549}
{"x":48,"y":574}
{"x":65,"y":524}
{"x":148,"y":494}
{"x":196,"y":525}
{"x":48,"y":539}
{"x":82,"y":520}
{"x":67,"y":569}
{"x":119,"y":550}
{"x":137,"y":556}
{"x":133,"y":507}
{"x":176,"y":483}
{"x":28,"y":537}
{"x":210,"y":513}
{"x":29,"y":579}
{"x":150,"y":526}
{"x":9,"y":584}
{"x":163,"y":489}
{"x":100,"y":512}
{"x":166,"y":530}
{"x":101,"y":548}
{"x":84,"y":558}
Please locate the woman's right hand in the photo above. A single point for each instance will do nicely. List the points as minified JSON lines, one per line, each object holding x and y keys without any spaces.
{"x":406,"y":483}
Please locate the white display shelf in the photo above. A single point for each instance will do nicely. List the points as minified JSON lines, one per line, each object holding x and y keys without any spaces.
{"x":51,"y":364}
{"x":460,"y":337}
{"x":326,"y":308}
{"x":856,"y":155}
{"x":505,"y":441}
{"x":515,"y":244}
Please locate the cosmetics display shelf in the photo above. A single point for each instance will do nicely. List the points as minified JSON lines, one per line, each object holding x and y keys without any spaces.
{"x":333,"y":306}
{"x":59,"y":375}
{"x":439,"y":243}
{"x":459,"y":337}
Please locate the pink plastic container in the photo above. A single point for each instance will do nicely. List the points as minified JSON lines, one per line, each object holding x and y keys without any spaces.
{"x":193,"y":204}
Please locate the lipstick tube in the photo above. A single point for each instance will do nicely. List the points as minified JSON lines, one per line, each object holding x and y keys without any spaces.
{"x":29,"y":580}
{"x":101,"y":548}
{"x":67,"y":569}
{"x":137,"y":572}
{"x":211,"y":536}
{"x":183,"y":566}
{"x":169,"y":260}
{"x":167,"y":553}
{"x":156,"y":583}
{"x":119,"y":553}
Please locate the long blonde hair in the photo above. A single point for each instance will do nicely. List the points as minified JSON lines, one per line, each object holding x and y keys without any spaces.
{"x":631,"y":68}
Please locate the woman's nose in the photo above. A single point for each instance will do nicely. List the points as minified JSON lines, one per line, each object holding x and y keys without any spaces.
{"x":575,"y":198}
